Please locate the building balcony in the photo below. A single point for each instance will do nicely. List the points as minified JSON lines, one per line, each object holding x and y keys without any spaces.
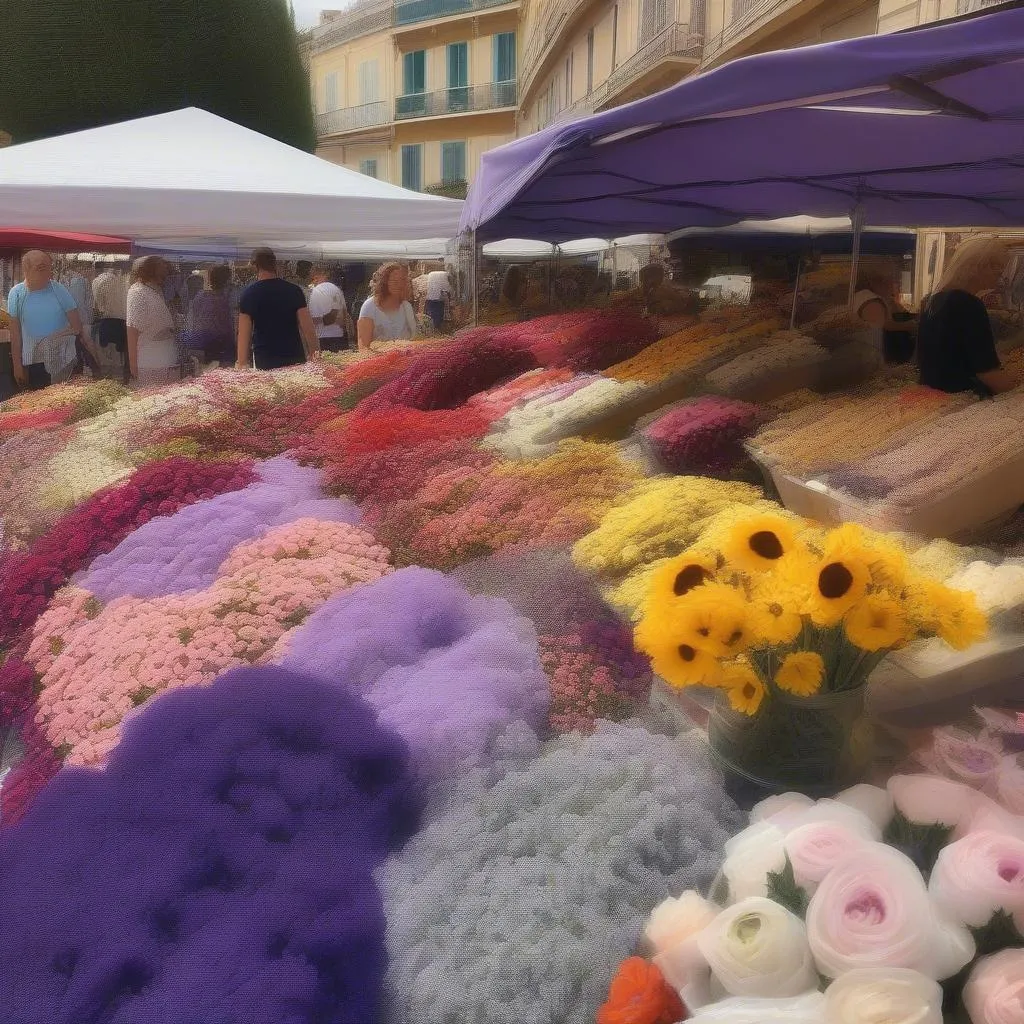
{"x":352,"y":119}
{"x":468,"y":99}
{"x":973,"y":6}
{"x":362,"y":19}
{"x":746,"y":18}
{"x":414,"y":12}
{"x":558,"y":18}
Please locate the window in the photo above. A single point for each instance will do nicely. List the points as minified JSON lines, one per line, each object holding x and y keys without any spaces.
{"x":505,"y":57}
{"x":414,"y":72}
{"x":369,"y":82}
{"x":368,"y":167}
{"x":590,"y":62}
{"x":654,"y":17}
{"x":615,"y":35}
{"x":458,"y":76}
{"x":568,"y":78}
{"x":453,"y":161}
{"x":412,"y":167}
{"x":331,"y":91}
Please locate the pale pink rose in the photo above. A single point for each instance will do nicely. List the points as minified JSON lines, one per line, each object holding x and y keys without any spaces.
{"x":930,"y":800}
{"x":873,"y":910}
{"x":883,"y":995}
{"x":814,"y":849}
{"x":988,"y":816}
{"x":672,"y":931}
{"x":774,"y":809}
{"x":1009,"y":784}
{"x":750,"y":857}
{"x":994,"y":993}
{"x":977,"y":876}
{"x":873,"y":802}
{"x":963,"y":757}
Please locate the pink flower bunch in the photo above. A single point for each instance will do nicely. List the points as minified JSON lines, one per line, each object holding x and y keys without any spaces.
{"x":99,"y":524}
{"x":98,"y":662}
{"x":12,"y":422}
{"x":22,"y":456}
{"x":592,"y":679}
{"x":448,"y":376}
{"x":704,"y":436}
{"x":496,"y":402}
{"x":587,"y":339}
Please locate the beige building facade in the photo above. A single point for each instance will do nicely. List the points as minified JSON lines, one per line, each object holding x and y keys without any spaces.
{"x":415,"y":91}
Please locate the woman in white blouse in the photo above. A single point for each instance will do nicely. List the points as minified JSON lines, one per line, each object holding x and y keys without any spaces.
{"x":387,"y":315}
{"x":152,"y":341}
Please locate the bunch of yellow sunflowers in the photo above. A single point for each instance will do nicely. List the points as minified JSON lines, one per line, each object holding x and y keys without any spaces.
{"x":771,"y":605}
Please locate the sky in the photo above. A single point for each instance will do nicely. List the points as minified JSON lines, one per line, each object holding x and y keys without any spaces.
{"x":307,"y":12}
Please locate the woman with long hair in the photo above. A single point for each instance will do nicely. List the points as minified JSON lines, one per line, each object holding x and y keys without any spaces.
{"x":956,"y":350}
{"x":877,"y":304}
{"x":152,"y":343}
{"x":387,"y":315}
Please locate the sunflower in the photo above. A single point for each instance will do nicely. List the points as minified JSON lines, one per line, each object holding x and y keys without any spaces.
{"x":678,"y":663}
{"x":743,"y":687}
{"x":886,"y":560}
{"x":839,"y":581}
{"x":715,"y":618}
{"x":775,"y":611}
{"x":877,"y":623}
{"x":760,"y":543}
{"x":676,"y":577}
{"x":801,"y":673}
{"x":961,"y":622}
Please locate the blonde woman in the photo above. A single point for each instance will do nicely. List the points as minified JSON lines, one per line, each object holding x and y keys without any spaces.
{"x":152,"y":343}
{"x":387,"y":315}
{"x":956,"y":350}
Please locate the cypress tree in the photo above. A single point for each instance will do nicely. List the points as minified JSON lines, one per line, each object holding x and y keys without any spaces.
{"x":73,"y":64}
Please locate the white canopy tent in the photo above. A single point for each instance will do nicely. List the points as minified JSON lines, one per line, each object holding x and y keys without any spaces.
{"x":524,"y":250}
{"x":811,"y":227}
{"x":362,"y":251}
{"x":192,"y":175}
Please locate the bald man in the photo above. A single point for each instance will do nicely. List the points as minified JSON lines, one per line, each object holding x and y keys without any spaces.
{"x":46,"y":328}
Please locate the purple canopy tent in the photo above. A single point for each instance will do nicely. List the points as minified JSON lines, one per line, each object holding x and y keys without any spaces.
{"x":921,"y":128}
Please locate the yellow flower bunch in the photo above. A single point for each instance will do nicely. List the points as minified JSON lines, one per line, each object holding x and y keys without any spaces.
{"x":766,"y":605}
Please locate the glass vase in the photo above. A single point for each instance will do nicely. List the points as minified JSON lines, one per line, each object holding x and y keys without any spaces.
{"x":814,"y":745}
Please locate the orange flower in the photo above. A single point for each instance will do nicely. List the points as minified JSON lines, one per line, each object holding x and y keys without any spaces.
{"x":640,"y":995}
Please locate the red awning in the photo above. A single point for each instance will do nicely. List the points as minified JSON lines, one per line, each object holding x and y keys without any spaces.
{"x":61,"y":241}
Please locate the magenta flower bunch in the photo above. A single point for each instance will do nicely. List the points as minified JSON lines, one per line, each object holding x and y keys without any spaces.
{"x":704,"y":436}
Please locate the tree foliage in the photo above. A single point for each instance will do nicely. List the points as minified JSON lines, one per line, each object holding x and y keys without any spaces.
{"x":73,"y":64}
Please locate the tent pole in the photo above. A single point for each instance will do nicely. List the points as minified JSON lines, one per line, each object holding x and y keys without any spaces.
{"x":857,"y":221}
{"x":474,"y":281}
{"x":796,"y":292}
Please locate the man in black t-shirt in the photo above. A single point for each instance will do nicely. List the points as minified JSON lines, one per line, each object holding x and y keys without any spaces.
{"x":274,"y":325}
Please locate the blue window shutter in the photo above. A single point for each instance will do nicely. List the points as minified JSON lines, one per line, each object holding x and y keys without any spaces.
{"x":453,"y":161}
{"x":505,"y":57}
{"x":412,"y":167}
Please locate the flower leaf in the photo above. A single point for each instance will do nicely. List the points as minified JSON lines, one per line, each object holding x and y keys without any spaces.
{"x":999,"y":933}
{"x":921,"y":843}
{"x":783,"y":889}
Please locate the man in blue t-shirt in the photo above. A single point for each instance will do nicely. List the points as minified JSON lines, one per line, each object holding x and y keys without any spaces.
{"x":274,"y":325}
{"x":45,"y":325}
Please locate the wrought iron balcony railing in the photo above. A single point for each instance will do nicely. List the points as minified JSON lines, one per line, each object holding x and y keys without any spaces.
{"x":362,"y":19}
{"x":459,"y":100}
{"x":973,"y":6}
{"x":408,"y":12}
{"x":350,"y":119}
{"x":745,"y":16}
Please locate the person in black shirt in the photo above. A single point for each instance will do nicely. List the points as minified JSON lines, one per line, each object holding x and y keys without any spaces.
{"x":274,"y":325}
{"x":956,"y":350}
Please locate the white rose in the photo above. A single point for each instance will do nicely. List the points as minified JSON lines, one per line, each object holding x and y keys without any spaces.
{"x":872,"y":801}
{"x":758,"y":948}
{"x":979,"y":875}
{"x":750,"y":857}
{"x":873,"y":910}
{"x":994,"y":993}
{"x":672,"y":931}
{"x":891,"y":995}
{"x":930,"y":800}
{"x":775,"y":808}
{"x":805,"y":1009}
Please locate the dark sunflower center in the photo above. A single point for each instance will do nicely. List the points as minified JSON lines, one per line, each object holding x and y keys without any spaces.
{"x":686,"y":652}
{"x":690,"y":577}
{"x":776,"y":610}
{"x":704,"y":631}
{"x":736,"y":637}
{"x":766,"y":544}
{"x":835,"y":581}
{"x":749,"y":690}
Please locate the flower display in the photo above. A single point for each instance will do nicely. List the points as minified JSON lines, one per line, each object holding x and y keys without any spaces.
{"x":98,"y":524}
{"x":782,"y":358}
{"x":196,"y":869}
{"x":704,"y":435}
{"x":640,"y":995}
{"x":979,"y":876}
{"x":98,"y":662}
{"x":994,"y":990}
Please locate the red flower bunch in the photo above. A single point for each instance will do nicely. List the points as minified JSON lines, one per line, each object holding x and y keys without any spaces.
{"x":447,"y":377}
{"x":588,"y":339}
{"x":40,"y":420}
{"x":17,"y":689}
{"x":639,"y":994}
{"x":703,"y":437}
{"x":99,"y":524}
{"x":400,"y":426}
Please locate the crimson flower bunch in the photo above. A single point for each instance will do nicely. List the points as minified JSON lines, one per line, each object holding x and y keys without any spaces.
{"x":99,"y":524}
{"x":704,"y":436}
{"x":588,"y":339}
